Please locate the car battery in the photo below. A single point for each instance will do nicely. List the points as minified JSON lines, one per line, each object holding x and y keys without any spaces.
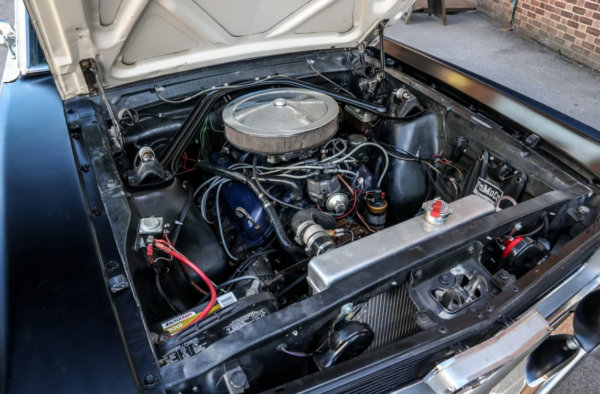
{"x":181,"y":339}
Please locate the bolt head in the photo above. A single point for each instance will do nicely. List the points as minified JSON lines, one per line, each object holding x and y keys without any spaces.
{"x":423,"y":317}
{"x":146,"y":153}
{"x":150,"y":381}
{"x":418,"y":274}
{"x":339,"y":207}
{"x":148,"y":157}
{"x":518,"y":226}
{"x":237,"y":379}
{"x":347,"y":309}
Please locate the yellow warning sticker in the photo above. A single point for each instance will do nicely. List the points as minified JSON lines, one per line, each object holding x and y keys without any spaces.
{"x":182,"y":321}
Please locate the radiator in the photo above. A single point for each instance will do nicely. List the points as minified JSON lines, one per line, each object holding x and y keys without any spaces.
{"x":390,"y":315}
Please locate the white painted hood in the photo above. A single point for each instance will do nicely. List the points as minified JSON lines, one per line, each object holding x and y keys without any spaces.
{"x":132,"y":40}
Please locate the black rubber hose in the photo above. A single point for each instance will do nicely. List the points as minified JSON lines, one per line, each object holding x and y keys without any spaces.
{"x":319,"y":241}
{"x":312,"y":215}
{"x":264,"y":191}
{"x":162,"y":292}
{"x":295,"y":251}
{"x":184,"y":212}
{"x":288,"y":183}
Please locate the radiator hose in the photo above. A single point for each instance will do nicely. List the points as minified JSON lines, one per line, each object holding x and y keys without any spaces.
{"x":295,"y":251}
{"x":310,"y":226}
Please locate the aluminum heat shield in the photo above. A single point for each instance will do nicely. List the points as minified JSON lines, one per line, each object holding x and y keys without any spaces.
{"x":329,"y":268}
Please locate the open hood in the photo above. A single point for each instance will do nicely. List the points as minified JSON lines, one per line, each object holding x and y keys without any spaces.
{"x":132,"y":40}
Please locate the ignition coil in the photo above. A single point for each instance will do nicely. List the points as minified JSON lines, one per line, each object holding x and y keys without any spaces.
{"x":376,"y":210}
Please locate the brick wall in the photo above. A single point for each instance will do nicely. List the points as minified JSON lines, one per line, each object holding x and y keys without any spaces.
{"x":571,"y":27}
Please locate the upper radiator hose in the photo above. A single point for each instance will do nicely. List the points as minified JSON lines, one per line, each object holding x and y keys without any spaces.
{"x":309,"y":225}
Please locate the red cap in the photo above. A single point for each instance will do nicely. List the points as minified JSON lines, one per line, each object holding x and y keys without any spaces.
{"x":437,"y":207}
{"x":510,"y":246}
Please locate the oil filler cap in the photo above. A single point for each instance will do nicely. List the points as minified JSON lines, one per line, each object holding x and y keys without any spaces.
{"x":436,"y":212}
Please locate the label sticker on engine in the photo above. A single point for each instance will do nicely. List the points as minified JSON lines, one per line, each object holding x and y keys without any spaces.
{"x":185,"y":350}
{"x":244,"y":320}
{"x":487,"y":190}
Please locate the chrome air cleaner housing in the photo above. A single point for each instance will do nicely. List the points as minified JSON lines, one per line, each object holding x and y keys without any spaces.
{"x":279,"y":121}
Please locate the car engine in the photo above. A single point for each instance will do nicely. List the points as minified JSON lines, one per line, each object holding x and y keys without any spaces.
{"x":252,"y":201}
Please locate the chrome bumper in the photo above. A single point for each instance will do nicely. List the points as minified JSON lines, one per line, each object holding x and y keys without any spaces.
{"x":479,"y":369}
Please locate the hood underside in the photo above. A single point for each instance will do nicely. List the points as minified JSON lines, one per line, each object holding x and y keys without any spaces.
{"x":133,"y":40}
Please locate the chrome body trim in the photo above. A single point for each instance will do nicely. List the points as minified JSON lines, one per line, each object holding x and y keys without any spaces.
{"x":24,"y":32}
{"x":474,"y":366}
{"x":552,"y":307}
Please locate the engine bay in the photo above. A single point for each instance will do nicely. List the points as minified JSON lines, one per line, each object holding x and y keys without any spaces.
{"x":251,"y":199}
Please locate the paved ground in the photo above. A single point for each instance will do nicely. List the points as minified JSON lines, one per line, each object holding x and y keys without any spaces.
{"x":478,"y":44}
{"x":511,"y":60}
{"x":7,"y":12}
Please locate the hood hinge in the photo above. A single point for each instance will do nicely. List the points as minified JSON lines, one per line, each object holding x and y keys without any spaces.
{"x":92,"y":79}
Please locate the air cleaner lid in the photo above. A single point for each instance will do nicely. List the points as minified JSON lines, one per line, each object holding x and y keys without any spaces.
{"x":280,"y":120}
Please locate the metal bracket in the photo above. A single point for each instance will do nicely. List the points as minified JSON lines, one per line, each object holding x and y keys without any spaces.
{"x":382,"y":49}
{"x":235,"y":378}
{"x":145,"y":165}
{"x":92,"y":79}
{"x":118,"y":283}
{"x":402,"y":102}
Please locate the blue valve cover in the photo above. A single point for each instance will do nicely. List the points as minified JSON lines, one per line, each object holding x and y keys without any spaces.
{"x":243,"y":208}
